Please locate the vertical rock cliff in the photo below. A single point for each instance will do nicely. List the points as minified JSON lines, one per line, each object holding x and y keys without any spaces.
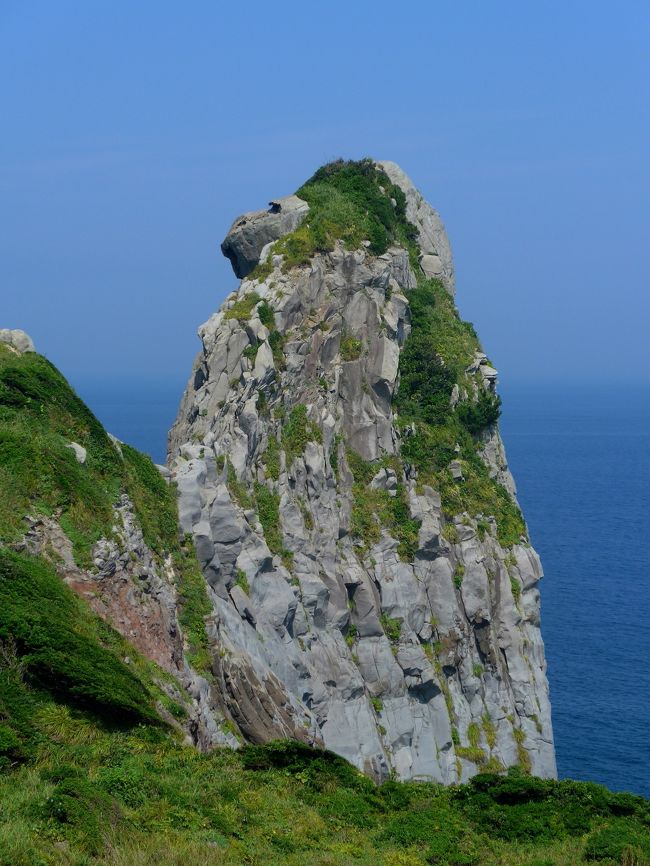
{"x":340,"y":471}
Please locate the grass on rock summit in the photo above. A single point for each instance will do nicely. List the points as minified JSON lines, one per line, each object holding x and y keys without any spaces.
{"x":355,"y":202}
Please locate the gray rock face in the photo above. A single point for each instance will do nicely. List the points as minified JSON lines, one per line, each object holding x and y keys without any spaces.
{"x":79,"y":452}
{"x":250,"y":233}
{"x":394,"y":663}
{"x":17,"y":339}
{"x":436,"y":260}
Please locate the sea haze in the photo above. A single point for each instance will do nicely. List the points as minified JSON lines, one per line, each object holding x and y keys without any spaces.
{"x":581,"y":459}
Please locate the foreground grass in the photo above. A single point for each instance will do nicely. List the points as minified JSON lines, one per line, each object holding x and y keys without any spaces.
{"x":94,"y":796}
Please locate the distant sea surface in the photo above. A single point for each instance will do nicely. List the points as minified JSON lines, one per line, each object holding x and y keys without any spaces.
{"x":581,"y":459}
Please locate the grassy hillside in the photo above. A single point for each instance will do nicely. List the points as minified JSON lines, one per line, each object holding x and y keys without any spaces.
{"x":40,"y":415}
{"x":93,"y":794}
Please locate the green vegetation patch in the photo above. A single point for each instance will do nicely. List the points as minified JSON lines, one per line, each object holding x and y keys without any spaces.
{"x":520,"y":808}
{"x":243,"y":308}
{"x":297,"y":432}
{"x":434,"y":359}
{"x":39,"y":415}
{"x":93,"y":797}
{"x":62,"y":647}
{"x":373,"y":509}
{"x":268,"y":509}
{"x":271,"y":458}
{"x":351,"y":201}
{"x":350,"y":347}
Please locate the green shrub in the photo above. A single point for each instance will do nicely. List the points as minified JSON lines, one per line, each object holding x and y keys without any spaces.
{"x":476,"y":416}
{"x":392,"y":627}
{"x":619,"y":843}
{"x":266,"y":315}
{"x":271,"y":458}
{"x":350,"y":347}
{"x":250,"y":352}
{"x":297,"y":432}
{"x":276,"y":342}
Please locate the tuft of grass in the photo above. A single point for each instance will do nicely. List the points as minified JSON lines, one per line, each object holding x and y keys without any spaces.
{"x":515,"y":587}
{"x":392,"y":627}
{"x":243,"y":308}
{"x":522,"y":751}
{"x":271,"y":458}
{"x":238,"y":489}
{"x":350,"y":347}
{"x":242,"y":581}
{"x":374,"y":509}
{"x":262,"y":270}
{"x":297,"y":432}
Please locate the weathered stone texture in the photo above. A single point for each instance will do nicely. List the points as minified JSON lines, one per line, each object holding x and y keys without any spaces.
{"x":300,"y":642}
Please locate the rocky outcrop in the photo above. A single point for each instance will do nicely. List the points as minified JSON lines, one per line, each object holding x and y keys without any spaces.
{"x":421,"y":659}
{"x":251,"y":232}
{"x":18,"y":340}
{"x":435,"y":252}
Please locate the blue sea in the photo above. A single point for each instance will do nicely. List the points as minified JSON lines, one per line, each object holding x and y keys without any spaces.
{"x":581,"y":459}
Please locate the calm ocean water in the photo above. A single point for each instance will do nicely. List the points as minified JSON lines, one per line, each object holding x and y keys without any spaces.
{"x":581,"y":459}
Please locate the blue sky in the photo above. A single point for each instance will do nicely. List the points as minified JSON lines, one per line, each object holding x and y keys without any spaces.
{"x":133,"y":133}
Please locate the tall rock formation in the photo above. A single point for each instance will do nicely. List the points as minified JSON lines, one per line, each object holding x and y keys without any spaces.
{"x":340,"y":470}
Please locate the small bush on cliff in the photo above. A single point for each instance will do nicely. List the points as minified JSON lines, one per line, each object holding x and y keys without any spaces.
{"x":297,"y":432}
{"x":350,"y":347}
{"x":373,"y":509}
{"x":475,"y":416}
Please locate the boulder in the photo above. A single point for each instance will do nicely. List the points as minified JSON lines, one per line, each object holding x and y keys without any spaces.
{"x":17,"y":339}
{"x":253,"y":231}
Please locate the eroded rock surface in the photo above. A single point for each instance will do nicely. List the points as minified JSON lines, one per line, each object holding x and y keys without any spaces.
{"x":388,"y":658}
{"x":136,"y":594}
